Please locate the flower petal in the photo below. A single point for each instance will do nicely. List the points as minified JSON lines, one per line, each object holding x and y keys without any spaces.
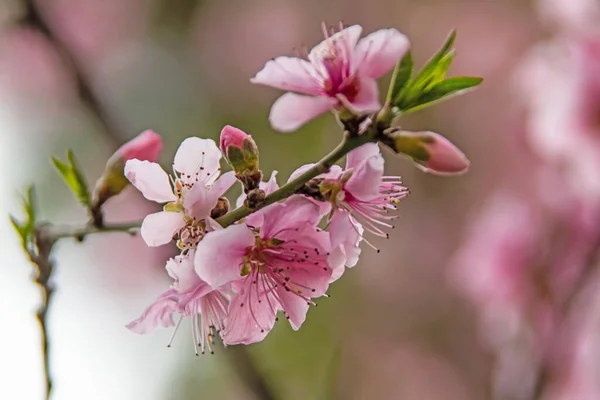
{"x":345,"y":234}
{"x":366,"y":100}
{"x":290,"y":73}
{"x":198,"y":201}
{"x":150,"y":179}
{"x":342,"y":43}
{"x":158,"y":228}
{"x":379,"y":52}
{"x":160,"y":313}
{"x":223,"y":184}
{"x":219,"y":256}
{"x":359,"y":155}
{"x":334,"y":172}
{"x":364,"y":183}
{"x":251,"y":316}
{"x":200,"y":156}
{"x":291,"y":111}
{"x":181,"y":269}
{"x":286,"y":217}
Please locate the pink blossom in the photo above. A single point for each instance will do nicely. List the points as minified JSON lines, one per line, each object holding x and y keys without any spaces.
{"x":562,"y":82}
{"x":191,"y":297}
{"x":339,"y":72}
{"x":281,"y":266}
{"x":190,"y":194}
{"x":361,"y":189}
{"x":145,"y":146}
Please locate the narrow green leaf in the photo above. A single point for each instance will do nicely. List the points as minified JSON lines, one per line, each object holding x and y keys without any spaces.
{"x":421,"y":79}
{"x":20,"y":230}
{"x":29,"y":205}
{"x":444,"y":90}
{"x":401,"y":76}
{"x":73,"y":178}
{"x":441,"y":69}
{"x":83,"y":194}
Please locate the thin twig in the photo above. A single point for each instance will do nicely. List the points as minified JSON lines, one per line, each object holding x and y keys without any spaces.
{"x":39,"y":254}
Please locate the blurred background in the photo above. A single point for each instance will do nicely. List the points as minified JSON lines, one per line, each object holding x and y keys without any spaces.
{"x":445,"y":311}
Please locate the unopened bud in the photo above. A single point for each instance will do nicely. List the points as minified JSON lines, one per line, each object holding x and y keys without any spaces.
{"x":145,"y":147}
{"x":241,"y":153}
{"x":430,"y":151}
{"x":254,"y":198}
{"x":221,"y":208}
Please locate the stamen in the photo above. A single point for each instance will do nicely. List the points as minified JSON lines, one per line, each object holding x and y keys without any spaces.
{"x":175,"y":331}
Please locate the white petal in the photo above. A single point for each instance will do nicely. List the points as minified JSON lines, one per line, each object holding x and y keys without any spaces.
{"x":159,"y":228}
{"x":150,"y":179}
{"x":200,"y":156}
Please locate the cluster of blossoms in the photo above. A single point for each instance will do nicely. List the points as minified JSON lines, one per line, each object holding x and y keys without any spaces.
{"x":233,"y":278}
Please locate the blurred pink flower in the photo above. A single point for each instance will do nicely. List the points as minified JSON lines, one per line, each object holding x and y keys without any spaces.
{"x":573,"y":16}
{"x":194,"y":193}
{"x":339,"y":72}
{"x":361,"y":189}
{"x":561,"y":84}
{"x":281,"y":267}
{"x":191,"y":297}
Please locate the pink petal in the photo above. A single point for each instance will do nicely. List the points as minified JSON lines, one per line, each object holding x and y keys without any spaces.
{"x":198,"y":155}
{"x":249,"y":320}
{"x":343,"y":42}
{"x":220,"y":254}
{"x":160,"y":313}
{"x":307,"y":275}
{"x":366,"y":100}
{"x":158,"y":228}
{"x":223,"y":184}
{"x":291,"y":111}
{"x":281,"y":219}
{"x":359,"y":155}
{"x":334,"y":172}
{"x":345,"y":234}
{"x":181,"y":269}
{"x":150,"y":179}
{"x":271,"y":185}
{"x":364,"y":182}
{"x":379,"y":52}
{"x":290,"y":73}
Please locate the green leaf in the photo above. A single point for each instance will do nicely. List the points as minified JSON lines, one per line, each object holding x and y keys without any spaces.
{"x":401,"y":77}
{"x":73,"y":177}
{"x":422,"y":79}
{"x":441,"y":91}
{"x":26,"y":229}
{"x":21,"y":230}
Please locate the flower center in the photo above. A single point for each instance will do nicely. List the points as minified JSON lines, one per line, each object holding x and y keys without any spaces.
{"x":190,"y":235}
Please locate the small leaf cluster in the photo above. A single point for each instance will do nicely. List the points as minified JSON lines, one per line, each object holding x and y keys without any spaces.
{"x":408,"y":93}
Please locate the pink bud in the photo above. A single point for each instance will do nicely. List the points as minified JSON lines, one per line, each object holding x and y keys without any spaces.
{"x":444,"y":157}
{"x":241,"y":153}
{"x":231,"y":136}
{"x":145,"y":147}
{"x":430,"y":151}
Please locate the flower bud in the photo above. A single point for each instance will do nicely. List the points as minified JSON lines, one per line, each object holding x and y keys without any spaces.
{"x":145,"y":147}
{"x":430,"y":151}
{"x":241,"y":153}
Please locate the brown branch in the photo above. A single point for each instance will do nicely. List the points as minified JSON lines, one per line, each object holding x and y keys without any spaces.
{"x":39,"y":254}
